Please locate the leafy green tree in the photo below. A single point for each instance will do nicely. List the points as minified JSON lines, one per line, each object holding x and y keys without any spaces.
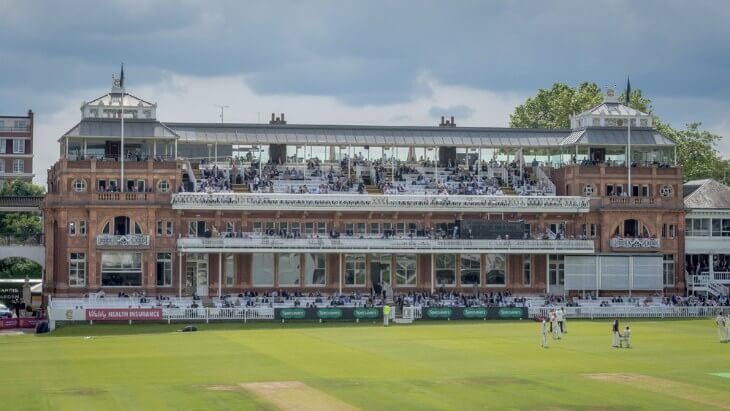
{"x":21,"y":189}
{"x":19,"y":268}
{"x":696,"y":148}
{"x":22,"y":224}
{"x":553,"y":107}
{"x":696,"y":151}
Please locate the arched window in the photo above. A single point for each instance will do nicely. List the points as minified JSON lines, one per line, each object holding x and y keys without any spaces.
{"x":121,"y":225}
{"x":164,"y":186}
{"x":632,"y":228}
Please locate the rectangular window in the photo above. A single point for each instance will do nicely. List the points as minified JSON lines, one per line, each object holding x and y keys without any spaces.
{"x":160,"y":228}
{"x":388,"y":228}
{"x":400,"y":228}
{"x":645,"y":191}
{"x":18,"y":146}
{"x":527,"y":269}
{"x":168,"y":228}
{"x":321,"y":228}
{"x":308,"y":228}
{"x":2,"y":145}
{"x":230,"y":270}
{"x":355,"y":269}
{"x":289,"y":269}
{"x":405,"y":269}
{"x":528,"y":230}
{"x":295,"y":229}
{"x":164,"y":269}
{"x":121,"y":269}
{"x":556,"y":269}
{"x":2,"y":167}
{"x":77,"y":269}
{"x":263,"y":269}
{"x":71,"y":228}
{"x":82,"y":227}
{"x":374,"y":228}
{"x":18,"y":166}
{"x":445,"y":269}
{"x":496,"y":269}
{"x":315,"y":269}
{"x":668,"y":270}
{"x":257,"y":227}
{"x":471,"y":268}
{"x":698,"y":227}
{"x":230,"y":226}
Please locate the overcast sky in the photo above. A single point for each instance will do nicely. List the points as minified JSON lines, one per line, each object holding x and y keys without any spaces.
{"x":366,"y":62}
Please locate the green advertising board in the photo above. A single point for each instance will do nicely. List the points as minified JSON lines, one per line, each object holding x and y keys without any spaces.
{"x":366,"y":313}
{"x":475,"y":312}
{"x":330,"y":313}
{"x":512,"y":313}
{"x":437,"y":312}
{"x":291,"y":313}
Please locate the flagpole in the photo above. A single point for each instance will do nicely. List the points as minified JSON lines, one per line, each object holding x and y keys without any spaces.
{"x":121,"y":150}
{"x":628,"y":164}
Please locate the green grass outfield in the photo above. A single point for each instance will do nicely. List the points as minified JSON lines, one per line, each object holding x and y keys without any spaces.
{"x":466,"y":365}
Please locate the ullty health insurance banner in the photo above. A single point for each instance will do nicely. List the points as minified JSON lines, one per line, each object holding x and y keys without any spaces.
{"x":124,"y":314}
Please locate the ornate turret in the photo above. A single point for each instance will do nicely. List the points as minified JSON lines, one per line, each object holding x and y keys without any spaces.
{"x":610,"y":113}
{"x":110,"y":105}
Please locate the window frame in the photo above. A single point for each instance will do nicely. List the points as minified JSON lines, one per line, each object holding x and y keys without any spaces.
{"x":77,"y":269}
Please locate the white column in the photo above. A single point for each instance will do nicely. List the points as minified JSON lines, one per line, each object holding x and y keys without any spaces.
{"x":220,"y":271}
{"x":179,"y":275}
{"x":176,"y":149}
{"x":340,"y":273}
{"x":154,"y":148}
{"x":432,"y":274}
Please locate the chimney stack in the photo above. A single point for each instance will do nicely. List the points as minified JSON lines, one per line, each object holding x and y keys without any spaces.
{"x":277,"y":120}
{"x":447,"y":123}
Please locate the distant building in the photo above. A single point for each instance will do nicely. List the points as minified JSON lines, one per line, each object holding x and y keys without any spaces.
{"x":707,"y":237}
{"x":16,"y":148}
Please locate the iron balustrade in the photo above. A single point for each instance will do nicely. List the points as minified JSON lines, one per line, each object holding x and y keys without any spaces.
{"x":130,"y":240}
{"x":635,"y":243}
{"x":406,"y":245}
{"x":367,"y":202}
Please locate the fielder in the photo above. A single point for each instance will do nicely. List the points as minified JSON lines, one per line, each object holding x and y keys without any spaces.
{"x":727,"y":328}
{"x":555,"y":324}
{"x":561,"y":320}
{"x":544,"y":332}
{"x":386,"y":315}
{"x":721,"y":328}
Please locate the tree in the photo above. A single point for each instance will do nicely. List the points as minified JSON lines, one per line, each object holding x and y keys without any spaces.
{"x":22,"y":224}
{"x":21,"y":189}
{"x":552,"y":108}
{"x":696,"y":151}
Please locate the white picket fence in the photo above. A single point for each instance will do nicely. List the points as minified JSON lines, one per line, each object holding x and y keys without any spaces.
{"x":415,"y":313}
{"x":632,"y":312}
{"x":214,"y":314}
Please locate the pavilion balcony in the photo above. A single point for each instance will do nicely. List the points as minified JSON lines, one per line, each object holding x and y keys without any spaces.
{"x":366,"y":202}
{"x":635,"y":243}
{"x":382,"y":245}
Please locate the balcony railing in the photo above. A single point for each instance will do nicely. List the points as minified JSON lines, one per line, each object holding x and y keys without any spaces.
{"x":366,"y":202}
{"x":383,"y":245}
{"x":635,"y":243}
{"x":131,"y":240}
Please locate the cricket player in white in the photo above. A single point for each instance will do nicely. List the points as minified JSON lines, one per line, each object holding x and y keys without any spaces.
{"x":721,"y":328}
{"x":561,"y":320}
{"x":727,"y":328}
{"x":544,"y":331}
{"x":556,"y":325}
